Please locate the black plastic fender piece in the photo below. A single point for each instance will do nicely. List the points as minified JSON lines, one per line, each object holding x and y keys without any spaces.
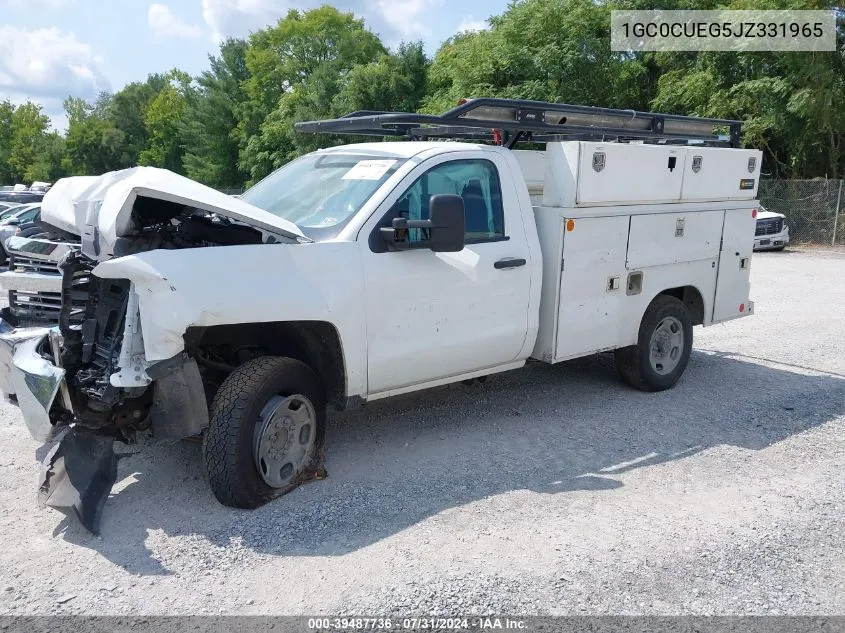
{"x":77,"y":475}
{"x":179,"y":407}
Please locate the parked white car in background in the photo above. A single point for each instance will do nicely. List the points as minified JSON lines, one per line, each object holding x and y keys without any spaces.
{"x":772,"y":232}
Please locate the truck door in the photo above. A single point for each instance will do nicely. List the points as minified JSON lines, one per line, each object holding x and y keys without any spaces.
{"x":431,"y":316}
{"x":733,"y":280}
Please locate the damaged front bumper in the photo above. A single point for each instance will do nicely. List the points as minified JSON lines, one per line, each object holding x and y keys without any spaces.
{"x":29,"y":377}
{"x":81,"y":467}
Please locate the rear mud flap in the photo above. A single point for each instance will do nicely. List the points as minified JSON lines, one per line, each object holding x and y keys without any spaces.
{"x":77,"y":475}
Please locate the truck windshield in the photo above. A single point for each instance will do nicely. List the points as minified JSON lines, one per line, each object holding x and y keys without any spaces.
{"x":320,"y":193}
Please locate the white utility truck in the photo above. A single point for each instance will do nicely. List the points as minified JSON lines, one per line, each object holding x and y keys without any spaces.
{"x":363,"y":271}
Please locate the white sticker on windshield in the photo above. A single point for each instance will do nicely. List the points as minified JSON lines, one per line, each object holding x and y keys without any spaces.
{"x":369,"y":170}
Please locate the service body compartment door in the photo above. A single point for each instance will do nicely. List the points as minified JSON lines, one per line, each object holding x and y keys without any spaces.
{"x":669,"y":238}
{"x":592,"y":285}
{"x":620,"y":173}
{"x":733,"y":281}
{"x":717,"y":173}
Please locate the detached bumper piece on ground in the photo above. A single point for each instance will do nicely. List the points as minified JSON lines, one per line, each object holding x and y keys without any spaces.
{"x":77,"y":475}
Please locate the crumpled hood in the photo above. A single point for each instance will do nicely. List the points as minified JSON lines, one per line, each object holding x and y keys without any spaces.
{"x":768,"y":215}
{"x":106,"y":202}
{"x":59,"y":204}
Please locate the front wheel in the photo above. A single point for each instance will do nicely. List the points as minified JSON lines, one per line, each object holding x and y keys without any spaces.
{"x":266,"y":428}
{"x":663,"y":347}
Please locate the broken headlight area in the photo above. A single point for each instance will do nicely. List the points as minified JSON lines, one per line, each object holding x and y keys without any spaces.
{"x":93,"y":338}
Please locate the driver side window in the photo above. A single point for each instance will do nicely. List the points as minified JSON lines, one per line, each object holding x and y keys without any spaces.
{"x":476,"y":181}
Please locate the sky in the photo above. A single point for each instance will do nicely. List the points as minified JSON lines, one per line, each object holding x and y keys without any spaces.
{"x":52,"y":49}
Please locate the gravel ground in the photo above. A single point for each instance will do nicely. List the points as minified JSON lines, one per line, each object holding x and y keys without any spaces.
{"x":550,"y":490}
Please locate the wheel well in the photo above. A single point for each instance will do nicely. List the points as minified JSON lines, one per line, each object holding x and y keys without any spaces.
{"x":221,"y":348}
{"x":692,"y":299}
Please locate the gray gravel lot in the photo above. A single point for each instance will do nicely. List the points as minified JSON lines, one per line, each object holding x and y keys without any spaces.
{"x":553,"y":489}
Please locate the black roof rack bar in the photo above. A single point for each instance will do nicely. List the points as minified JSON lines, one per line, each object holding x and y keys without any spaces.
{"x":537,"y":120}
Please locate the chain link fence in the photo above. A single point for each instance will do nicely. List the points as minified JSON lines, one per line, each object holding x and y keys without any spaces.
{"x":813,"y":209}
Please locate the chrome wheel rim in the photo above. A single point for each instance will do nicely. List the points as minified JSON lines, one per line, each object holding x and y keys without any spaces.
{"x":285,"y":437}
{"x":666,"y":346}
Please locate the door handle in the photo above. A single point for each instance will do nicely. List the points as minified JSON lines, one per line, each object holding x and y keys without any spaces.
{"x":509,"y":262}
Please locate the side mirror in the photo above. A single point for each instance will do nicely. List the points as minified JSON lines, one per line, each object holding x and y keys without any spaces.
{"x":448,"y":231}
{"x":445,"y":227}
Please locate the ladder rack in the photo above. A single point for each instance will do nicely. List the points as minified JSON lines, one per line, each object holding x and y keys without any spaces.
{"x":509,"y":121}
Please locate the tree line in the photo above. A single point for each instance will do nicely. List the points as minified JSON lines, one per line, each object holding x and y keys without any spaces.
{"x":233,"y":124}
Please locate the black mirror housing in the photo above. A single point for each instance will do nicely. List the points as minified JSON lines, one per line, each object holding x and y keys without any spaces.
{"x":448,"y":224}
{"x":445,"y":227}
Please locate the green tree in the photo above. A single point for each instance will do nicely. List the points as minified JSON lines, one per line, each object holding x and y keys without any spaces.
{"x":395,"y":81}
{"x":92,"y":145}
{"x":7,"y":111}
{"x":48,"y":165}
{"x":28,"y":140}
{"x":210,"y":118}
{"x":296,"y":70}
{"x":549,"y":50}
{"x":127,"y":112}
{"x":790,"y":103}
{"x":162,"y":121}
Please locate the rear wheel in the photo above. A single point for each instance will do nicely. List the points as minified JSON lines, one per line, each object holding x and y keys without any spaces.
{"x":265,"y":432}
{"x":663,"y":347}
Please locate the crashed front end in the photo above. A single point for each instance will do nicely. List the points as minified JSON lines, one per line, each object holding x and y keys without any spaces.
{"x":84,"y":381}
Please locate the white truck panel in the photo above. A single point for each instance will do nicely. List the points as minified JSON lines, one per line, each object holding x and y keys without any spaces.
{"x":630,"y":173}
{"x":588,"y":174}
{"x":733,"y":283}
{"x":579,"y":312}
{"x":701,"y":275}
{"x":669,"y":238}
{"x":560,"y":174}
{"x":716,"y":173}
{"x":592,"y":285}
{"x":59,"y":206}
{"x":434,"y":317}
{"x":532,"y":164}
{"x":108,"y":201}
{"x":550,"y":227}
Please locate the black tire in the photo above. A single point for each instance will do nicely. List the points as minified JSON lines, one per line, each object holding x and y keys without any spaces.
{"x":228,"y":443}
{"x":633,"y":363}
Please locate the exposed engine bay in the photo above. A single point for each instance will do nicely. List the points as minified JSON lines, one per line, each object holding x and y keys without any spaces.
{"x":100,"y":338}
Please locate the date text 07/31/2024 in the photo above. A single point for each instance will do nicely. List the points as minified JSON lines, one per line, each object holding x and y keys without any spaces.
{"x":414,"y":623}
